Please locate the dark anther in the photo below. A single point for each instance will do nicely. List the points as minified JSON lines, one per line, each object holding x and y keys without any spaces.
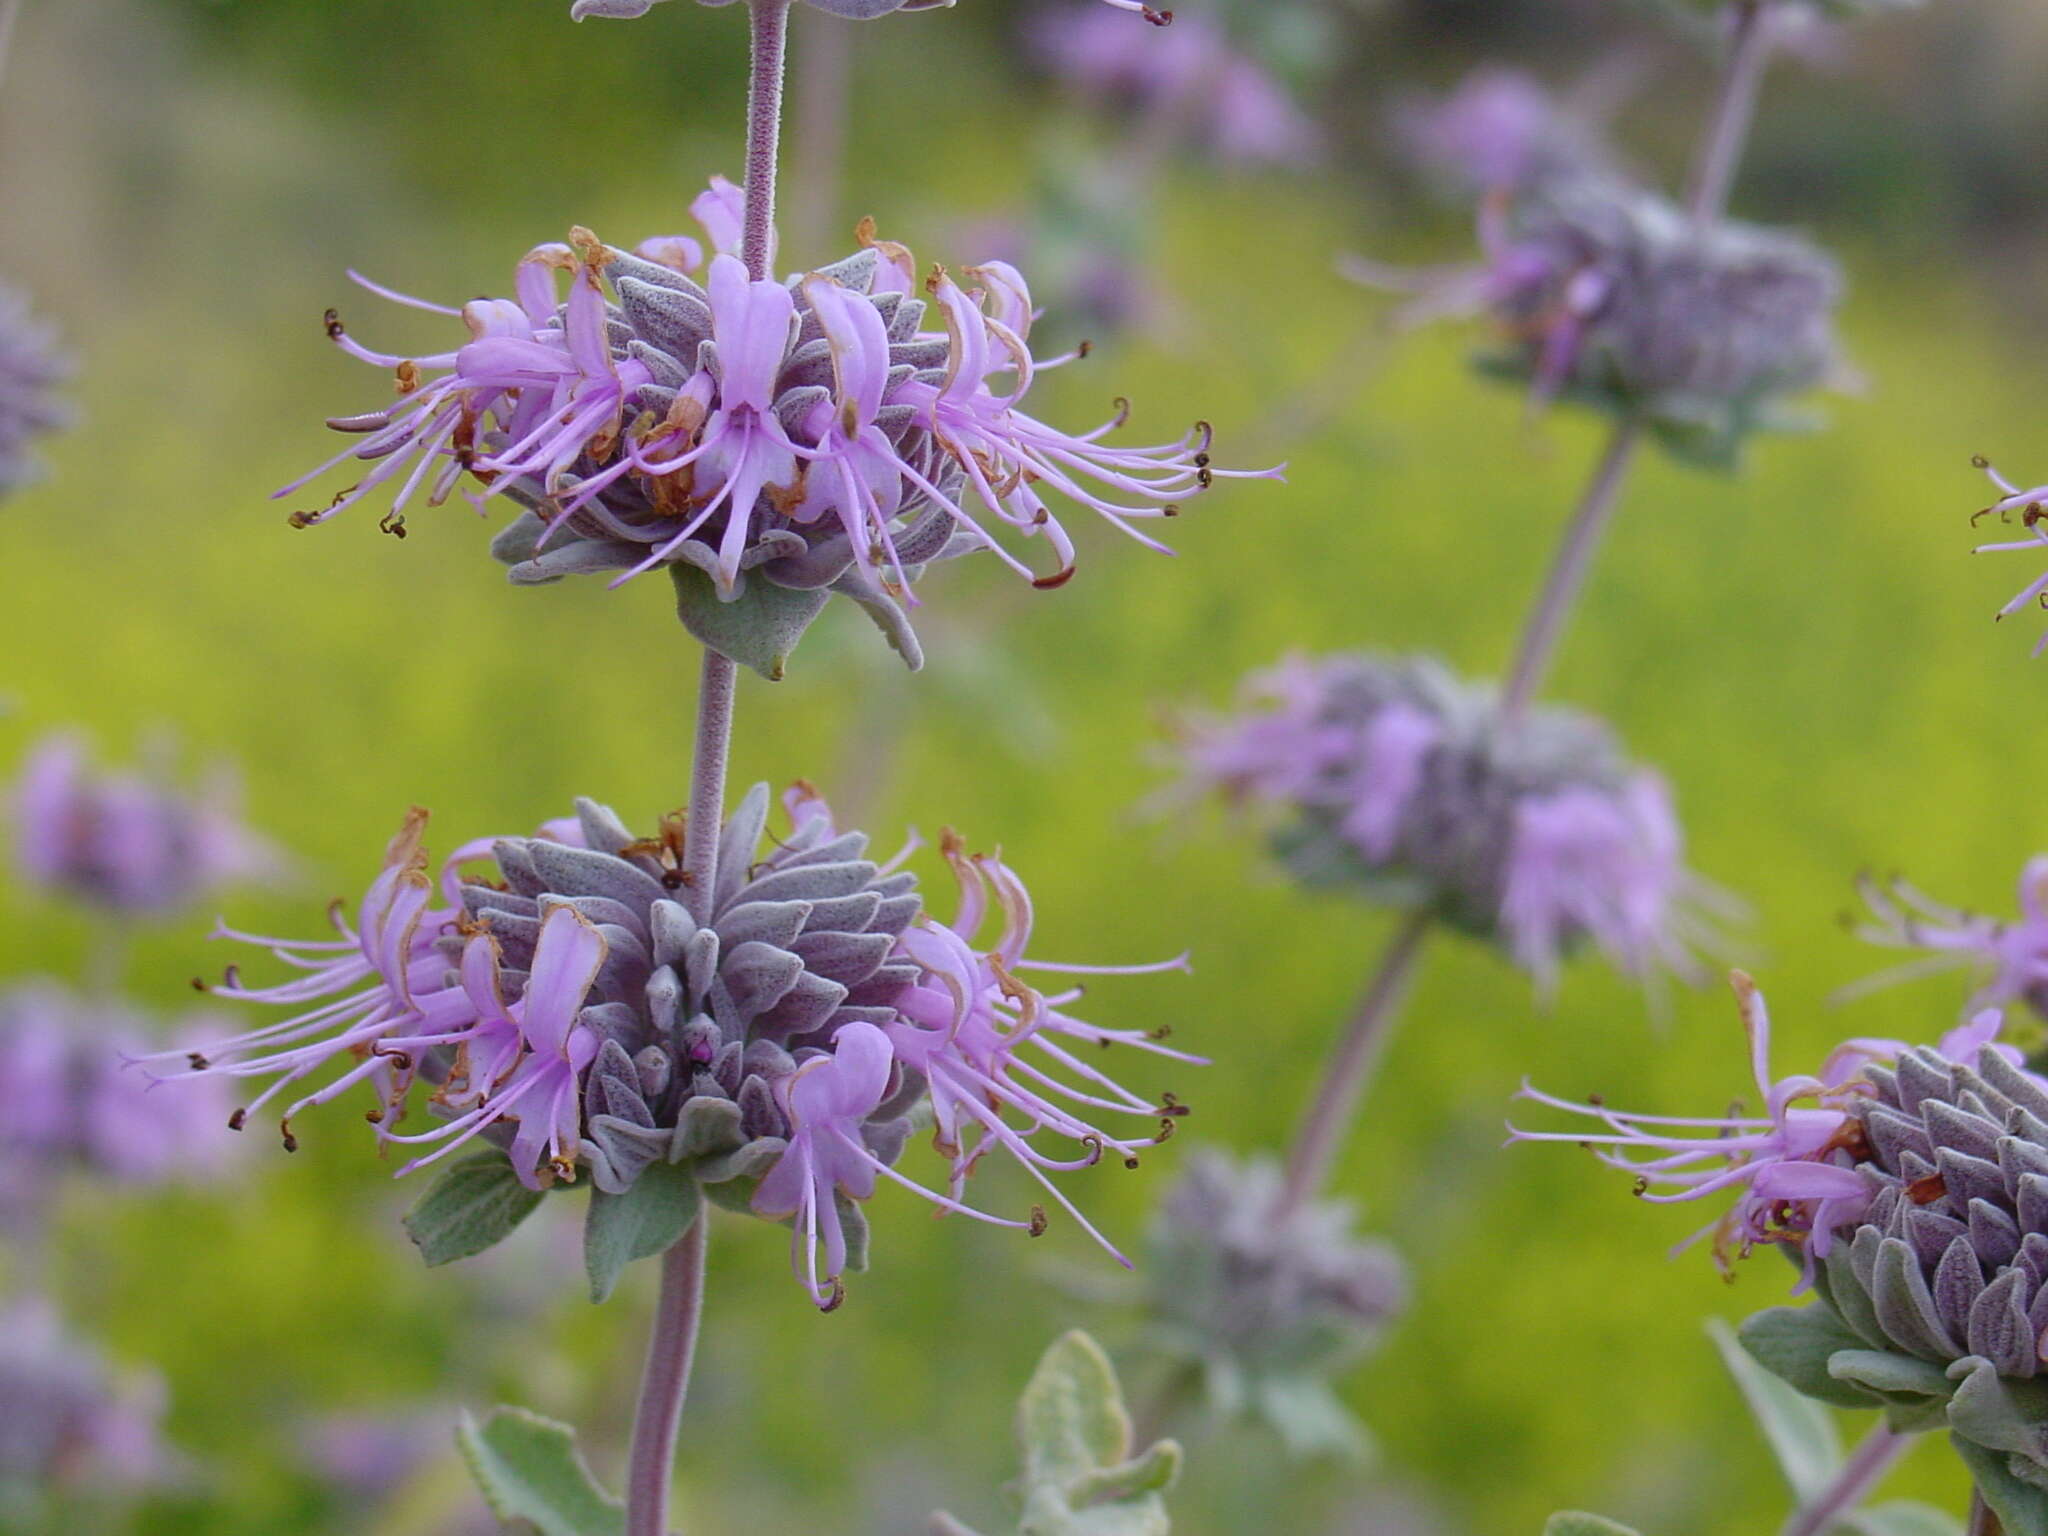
{"x":1204,"y":476}
{"x":1157,"y":18}
{"x":1170,"y":1104}
{"x":1201,"y":461}
{"x":1057,"y":579}
{"x":291,"y":1142}
{"x":1037,"y":1227}
{"x":332,"y":321}
{"x":1642,"y":1185}
{"x":392,"y":523}
{"x":238,"y":1119}
{"x":1131,"y":1163}
{"x":197,"y":1062}
{"x":400,"y":1059}
{"x":199,"y":984}
{"x":1084,"y":348}
{"x":1166,"y":1129}
{"x":1171,"y":509}
{"x":838,"y":1297}
{"x":1093,"y":1146}
{"x":1978,"y":461}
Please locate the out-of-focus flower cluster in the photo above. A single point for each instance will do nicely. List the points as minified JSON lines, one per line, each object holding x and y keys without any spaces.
{"x":1267,"y":1302}
{"x":32,"y":369}
{"x":132,"y":842}
{"x":72,"y":1107}
{"x":1219,"y":78}
{"x":1606,"y":292}
{"x":69,"y":1424}
{"x":1497,"y":130}
{"x":812,"y":435}
{"x":589,"y":1013}
{"x":1394,"y":779}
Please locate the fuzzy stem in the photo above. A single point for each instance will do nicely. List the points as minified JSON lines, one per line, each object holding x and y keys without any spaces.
{"x":1358,"y":1052}
{"x":1364,"y":1041}
{"x":1982,"y":1521}
{"x":10,"y":12}
{"x":769,"y":21}
{"x":1720,"y":154}
{"x":707,"y":779}
{"x":1569,"y":568}
{"x":1852,"y":1484}
{"x":666,"y":1381}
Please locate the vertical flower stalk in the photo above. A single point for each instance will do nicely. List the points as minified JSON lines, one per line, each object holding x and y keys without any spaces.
{"x":1878,"y":1453}
{"x":672,"y":1348}
{"x":1364,"y":1040}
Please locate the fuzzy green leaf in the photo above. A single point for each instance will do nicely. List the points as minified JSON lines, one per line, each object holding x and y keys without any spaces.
{"x":2022,"y":1508}
{"x":472,"y":1206}
{"x":1800,"y":1431}
{"x":1795,"y":1345}
{"x":646,"y":1220}
{"x":530,"y":1470}
{"x":760,"y":628}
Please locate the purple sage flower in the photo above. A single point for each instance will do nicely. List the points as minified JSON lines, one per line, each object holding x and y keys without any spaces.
{"x":1197,"y":75}
{"x":67,"y":1421}
{"x":71,"y":1107}
{"x":2031,"y":507}
{"x":132,"y":842}
{"x":1392,"y":778}
{"x":1800,"y":1168}
{"x":809,"y":433}
{"x":2011,"y":955}
{"x":577,"y":1013}
{"x":1497,"y":130}
{"x":1609,"y":294}
{"x":32,"y":369}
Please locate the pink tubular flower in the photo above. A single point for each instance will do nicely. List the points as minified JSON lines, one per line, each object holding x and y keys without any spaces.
{"x":827,"y":1100}
{"x":989,"y":1044}
{"x":380,"y":996}
{"x":2031,"y":503}
{"x":1795,"y":1166}
{"x":133,"y":842}
{"x":523,"y":1062}
{"x":2014,"y":955}
{"x":806,"y":432}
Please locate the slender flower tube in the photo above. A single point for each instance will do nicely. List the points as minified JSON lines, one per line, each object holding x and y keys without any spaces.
{"x":1798,"y":1168}
{"x":579,"y":1014}
{"x":2027,"y":503}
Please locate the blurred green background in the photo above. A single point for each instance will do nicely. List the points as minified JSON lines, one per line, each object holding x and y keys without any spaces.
{"x":1804,"y":649}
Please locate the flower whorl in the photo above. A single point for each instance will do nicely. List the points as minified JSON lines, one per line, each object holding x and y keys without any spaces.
{"x":580,"y":1015}
{"x":1397,"y":780}
{"x":32,"y":368}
